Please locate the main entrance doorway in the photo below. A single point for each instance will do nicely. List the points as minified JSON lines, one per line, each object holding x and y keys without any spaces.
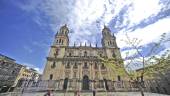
{"x":106,"y":85}
{"x":85,"y":83}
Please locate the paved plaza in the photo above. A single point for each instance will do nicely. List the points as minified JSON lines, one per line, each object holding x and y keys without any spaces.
{"x":83,"y":94}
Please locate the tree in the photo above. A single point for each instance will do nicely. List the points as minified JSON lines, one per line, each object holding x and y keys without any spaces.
{"x":151,"y":64}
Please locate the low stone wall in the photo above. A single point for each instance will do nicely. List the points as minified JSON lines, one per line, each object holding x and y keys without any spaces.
{"x":124,"y":86}
{"x":116,"y":86}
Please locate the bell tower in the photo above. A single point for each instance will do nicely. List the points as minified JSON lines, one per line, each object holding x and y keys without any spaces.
{"x":61,"y":37}
{"x":108,"y":40}
{"x":109,"y":44}
{"x":57,"y":51}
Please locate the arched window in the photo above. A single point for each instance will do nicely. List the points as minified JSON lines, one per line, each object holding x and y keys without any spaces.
{"x":68,"y":65}
{"x":85,"y":65}
{"x":53,"y":65}
{"x":59,"y":40}
{"x":75,"y":65}
{"x":85,"y":53}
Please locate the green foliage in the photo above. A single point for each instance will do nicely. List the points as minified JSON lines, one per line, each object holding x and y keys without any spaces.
{"x":115,"y":66}
{"x":151,"y":64}
{"x":161,"y":65}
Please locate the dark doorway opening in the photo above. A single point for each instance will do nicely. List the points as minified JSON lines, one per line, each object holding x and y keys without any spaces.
{"x":85,"y":83}
{"x":65,"y":83}
{"x":106,"y":85}
{"x":157,"y":89}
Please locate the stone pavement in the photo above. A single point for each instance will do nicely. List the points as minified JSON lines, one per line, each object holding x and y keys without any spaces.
{"x":84,"y":94}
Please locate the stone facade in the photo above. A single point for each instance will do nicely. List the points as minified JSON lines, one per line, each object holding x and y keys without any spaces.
{"x":9,"y":71}
{"x":78,"y":67}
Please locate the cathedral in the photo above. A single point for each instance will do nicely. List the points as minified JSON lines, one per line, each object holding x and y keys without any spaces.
{"x":78,"y":67}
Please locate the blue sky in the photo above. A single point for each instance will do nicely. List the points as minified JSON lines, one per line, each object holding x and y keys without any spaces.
{"x":28,"y":26}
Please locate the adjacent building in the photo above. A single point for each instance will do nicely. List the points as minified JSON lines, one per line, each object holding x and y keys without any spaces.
{"x":26,"y":74}
{"x":161,"y":82}
{"x":11,"y":73}
{"x":78,"y":67}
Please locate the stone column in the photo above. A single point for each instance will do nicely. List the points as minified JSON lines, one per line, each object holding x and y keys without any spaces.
{"x":69,"y":87}
{"x":63,"y":71}
{"x":61,"y":83}
{"x":91,"y":76}
{"x":101,"y":77}
{"x":71,"y":73}
{"x":62,"y":76}
{"x":56,"y":85}
{"x":80,"y":76}
{"x":94,"y":70}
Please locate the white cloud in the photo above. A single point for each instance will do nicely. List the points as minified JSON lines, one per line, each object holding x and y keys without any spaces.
{"x":148,"y":34}
{"x":143,"y":9}
{"x":80,"y":15}
{"x":87,"y":17}
{"x":28,"y":65}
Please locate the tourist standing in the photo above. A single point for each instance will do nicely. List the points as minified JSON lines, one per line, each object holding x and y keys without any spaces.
{"x":94,"y":92}
{"x":75,"y":93}
{"x":78,"y":93}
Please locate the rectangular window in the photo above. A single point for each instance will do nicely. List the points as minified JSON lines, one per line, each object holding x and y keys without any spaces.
{"x":119,"y":79}
{"x":51,"y":76}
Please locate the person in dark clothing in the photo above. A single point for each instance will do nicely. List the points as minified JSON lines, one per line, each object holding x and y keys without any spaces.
{"x":94,"y":93}
{"x":48,"y":93}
